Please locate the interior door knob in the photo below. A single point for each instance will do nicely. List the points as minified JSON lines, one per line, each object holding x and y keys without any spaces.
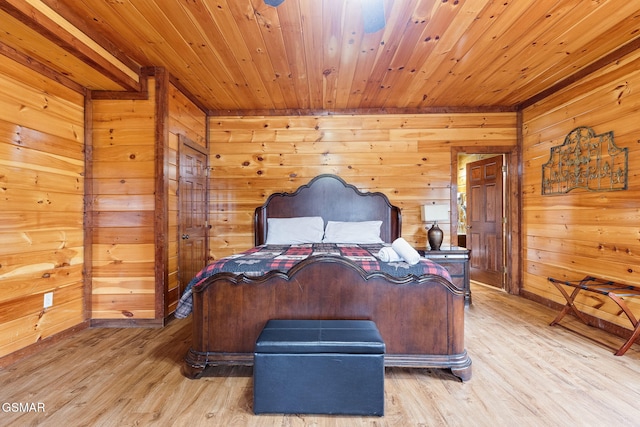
{"x":185,"y":237}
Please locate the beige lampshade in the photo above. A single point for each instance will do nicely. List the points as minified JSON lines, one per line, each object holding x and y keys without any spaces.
{"x":434,"y":212}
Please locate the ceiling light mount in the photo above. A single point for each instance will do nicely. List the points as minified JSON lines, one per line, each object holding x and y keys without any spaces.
{"x":372,"y":14}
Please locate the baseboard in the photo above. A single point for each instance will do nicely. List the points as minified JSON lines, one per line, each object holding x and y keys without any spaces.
{"x":41,"y":345}
{"x":127,"y":323}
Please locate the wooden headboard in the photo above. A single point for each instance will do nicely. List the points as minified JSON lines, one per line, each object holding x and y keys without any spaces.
{"x":333,"y":199}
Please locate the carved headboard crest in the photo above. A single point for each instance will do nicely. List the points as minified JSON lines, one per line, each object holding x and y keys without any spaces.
{"x":330,"y":197}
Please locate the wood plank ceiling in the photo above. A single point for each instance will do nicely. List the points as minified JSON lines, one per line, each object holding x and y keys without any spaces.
{"x":243,"y":56}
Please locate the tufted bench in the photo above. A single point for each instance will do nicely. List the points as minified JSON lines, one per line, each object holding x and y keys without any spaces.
{"x":319,"y":367}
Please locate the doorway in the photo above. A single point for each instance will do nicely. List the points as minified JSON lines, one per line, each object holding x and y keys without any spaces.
{"x":485,"y":219}
{"x":193,"y":209}
{"x":511,"y":241}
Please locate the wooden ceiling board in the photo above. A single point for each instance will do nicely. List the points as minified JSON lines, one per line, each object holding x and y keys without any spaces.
{"x":396,"y":44}
{"x":462,"y":79}
{"x":245,"y":57}
{"x":174,"y":41}
{"x":528,"y":58}
{"x":256,"y":50}
{"x":511,"y":37}
{"x":406,"y":67}
{"x":585,"y":42}
{"x":270,"y":27}
{"x":140,"y":32}
{"x":349,"y":54}
{"x":296,"y":57}
{"x":585,"y":38}
{"x":368,"y":54}
{"x":444,"y":32}
{"x":313,"y":61}
{"x":243,"y":80}
{"x":332,"y":34}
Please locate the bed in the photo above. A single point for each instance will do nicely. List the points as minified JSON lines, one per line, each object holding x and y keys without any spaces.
{"x":420,"y":316}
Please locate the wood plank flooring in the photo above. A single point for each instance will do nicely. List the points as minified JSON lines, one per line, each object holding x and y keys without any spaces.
{"x":525,"y":373}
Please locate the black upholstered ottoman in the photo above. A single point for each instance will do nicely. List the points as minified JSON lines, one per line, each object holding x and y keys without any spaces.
{"x":319,"y":367}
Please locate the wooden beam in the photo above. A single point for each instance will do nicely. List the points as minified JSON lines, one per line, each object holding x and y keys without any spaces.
{"x":161,"y":186}
{"x":364,"y":111}
{"x":49,"y":23}
{"x":87,"y":26}
{"x":141,"y":94}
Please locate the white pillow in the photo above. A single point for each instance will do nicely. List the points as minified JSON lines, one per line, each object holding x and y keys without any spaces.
{"x":293,"y":231}
{"x":353,"y":232}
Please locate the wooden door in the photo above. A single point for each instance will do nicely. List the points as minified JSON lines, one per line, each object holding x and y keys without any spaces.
{"x":485,"y":220}
{"x":192,"y":212}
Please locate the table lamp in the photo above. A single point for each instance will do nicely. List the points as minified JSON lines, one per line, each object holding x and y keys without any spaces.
{"x":435,"y":213}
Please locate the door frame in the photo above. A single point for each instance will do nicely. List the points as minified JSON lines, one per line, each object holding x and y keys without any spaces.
{"x":182,"y":142}
{"x":513,"y":205}
{"x":500,"y":182}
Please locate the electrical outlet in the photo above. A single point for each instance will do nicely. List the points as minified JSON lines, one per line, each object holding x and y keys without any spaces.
{"x":48,"y":299}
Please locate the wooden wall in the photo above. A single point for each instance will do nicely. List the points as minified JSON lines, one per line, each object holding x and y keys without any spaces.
{"x":41,"y":209}
{"x":135,"y":207}
{"x":571,"y":235}
{"x":407,"y":157}
{"x":123,"y":169}
{"x":133,"y":147}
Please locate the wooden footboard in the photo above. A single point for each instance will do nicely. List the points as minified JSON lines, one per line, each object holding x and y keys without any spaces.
{"x":421,"y":319}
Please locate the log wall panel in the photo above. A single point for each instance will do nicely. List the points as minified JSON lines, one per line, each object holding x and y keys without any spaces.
{"x":25,"y":179}
{"x":129,"y":280}
{"x":109,"y":186}
{"x":36,"y":279}
{"x":407,"y":157}
{"x":34,"y":326}
{"x":139,"y":305}
{"x":41,"y":210}
{"x":186,"y":118}
{"x":571,"y":235}
{"x":40,"y":110}
{"x":123,"y":162}
{"x":123,"y":219}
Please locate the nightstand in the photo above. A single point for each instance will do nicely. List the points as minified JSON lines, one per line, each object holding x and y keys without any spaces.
{"x":456,"y":260}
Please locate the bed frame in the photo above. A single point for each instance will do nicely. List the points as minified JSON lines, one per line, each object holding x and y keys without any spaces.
{"x":421,"y":319}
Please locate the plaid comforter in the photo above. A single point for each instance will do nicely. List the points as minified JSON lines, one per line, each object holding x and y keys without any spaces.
{"x":262,"y":259}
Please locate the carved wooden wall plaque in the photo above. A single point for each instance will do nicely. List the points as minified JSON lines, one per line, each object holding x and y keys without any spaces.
{"x":585,"y":160}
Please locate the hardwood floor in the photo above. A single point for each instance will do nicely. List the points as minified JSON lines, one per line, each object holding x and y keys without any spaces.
{"x":525,"y":373}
